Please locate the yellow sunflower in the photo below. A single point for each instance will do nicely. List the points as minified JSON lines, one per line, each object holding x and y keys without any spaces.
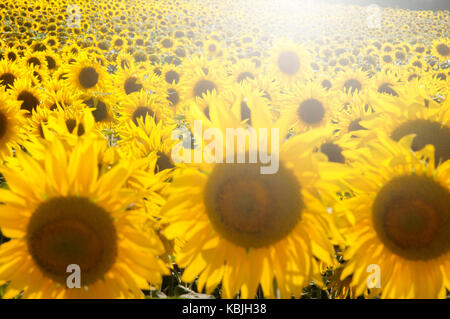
{"x":413,"y":113}
{"x":87,"y":75}
{"x":148,"y":140}
{"x":242,"y":228}
{"x":243,"y":70}
{"x":401,"y":209}
{"x":290,"y":62}
{"x":441,"y":49}
{"x":25,"y":92}
{"x":352,"y":80}
{"x":9,"y":72}
{"x":11,"y":122}
{"x":72,"y":216}
{"x":143,"y":104}
{"x":196,"y":83}
{"x":307,"y":105}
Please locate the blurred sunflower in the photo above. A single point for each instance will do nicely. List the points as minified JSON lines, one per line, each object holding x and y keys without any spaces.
{"x":407,"y":114}
{"x":243,"y":228}
{"x":290,"y":62}
{"x":11,"y":122}
{"x":307,"y":106}
{"x":72,"y":218}
{"x":441,"y":49}
{"x":401,"y":210}
{"x":352,"y":80}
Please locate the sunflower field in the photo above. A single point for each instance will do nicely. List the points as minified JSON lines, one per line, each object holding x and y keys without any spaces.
{"x":96,"y":97}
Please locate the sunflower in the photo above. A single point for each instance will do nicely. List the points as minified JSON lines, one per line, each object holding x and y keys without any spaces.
{"x":243,"y":70}
{"x":132,"y":80}
{"x":441,"y":49}
{"x":307,"y":106}
{"x":24,"y":92}
{"x":174,"y":98}
{"x":387,"y":59}
{"x":244,"y":99}
{"x":129,"y":79}
{"x":270,"y":88}
{"x":386,"y":81}
{"x":171,"y":73}
{"x":290,"y":62}
{"x":196,"y":83}
{"x":87,"y":76}
{"x":11,"y":122}
{"x":401,"y":212}
{"x":35,"y":59}
{"x":102,"y":108}
{"x":148,"y":140}
{"x":59,"y":96}
{"x":211,"y":47}
{"x":69,"y":125}
{"x":242,"y":228}
{"x":37,"y":121}
{"x":69,"y":218}
{"x":9,"y":72}
{"x":409,"y":114}
{"x":11,"y":54}
{"x":143,"y":104}
{"x":353,"y":110}
{"x":201,"y":62}
{"x":352,"y":80}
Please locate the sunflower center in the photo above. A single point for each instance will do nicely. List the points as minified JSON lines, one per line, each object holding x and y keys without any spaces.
{"x":72,"y":230}
{"x":352,"y":85}
{"x":141,"y":112}
{"x":172,"y":96}
{"x":163,"y":162}
{"x":427,"y":132}
{"x":7,"y":79}
{"x":29,"y":101}
{"x":101,"y":112}
{"x":386,"y":88}
{"x":288,"y":62}
{"x":326,"y":84}
{"x":172,"y":76}
{"x":246,"y":113}
{"x":34,"y":61}
{"x":131,"y":85}
{"x":356,"y":126}
{"x":311,"y":111}
{"x":387,"y":58}
{"x":167,"y":43}
{"x":3,"y":125}
{"x":333,"y":152}
{"x":88,"y":77}
{"x":71,"y":124}
{"x":251,"y":209}
{"x":411,"y":215}
{"x":203,"y":86}
{"x":244,"y":76}
{"x":51,"y":63}
{"x":443,"y":49}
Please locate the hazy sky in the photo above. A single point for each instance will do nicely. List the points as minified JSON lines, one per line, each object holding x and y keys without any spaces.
{"x":407,"y":4}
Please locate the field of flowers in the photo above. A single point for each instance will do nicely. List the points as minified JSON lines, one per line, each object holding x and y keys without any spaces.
{"x":99,"y":98}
